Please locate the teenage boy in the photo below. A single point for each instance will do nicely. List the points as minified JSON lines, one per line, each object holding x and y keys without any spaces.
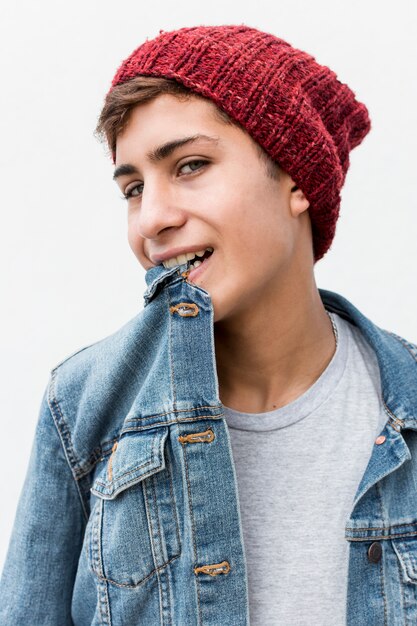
{"x":244,"y":449}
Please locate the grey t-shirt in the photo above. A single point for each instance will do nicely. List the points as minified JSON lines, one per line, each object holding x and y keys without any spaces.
{"x":298,"y":468}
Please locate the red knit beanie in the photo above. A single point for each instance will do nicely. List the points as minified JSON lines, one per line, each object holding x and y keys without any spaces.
{"x":295,"y":108}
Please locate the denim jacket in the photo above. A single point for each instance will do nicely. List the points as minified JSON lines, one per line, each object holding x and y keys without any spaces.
{"x":129,"y":512}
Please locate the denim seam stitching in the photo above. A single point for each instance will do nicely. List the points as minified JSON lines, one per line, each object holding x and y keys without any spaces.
{"x":174,"y":421}
{"x":88,"y":544}
{"x":200,"y":617}
{"x":158,"y":522}
{"x":386,"y":527}
{"x":393,"y":420}
{"x":155,"y":499}
{"x":381,"y":564}
{"x":154,"y":555}
{"x":65,"y":438}
{"x":400,"y":580}
{"x":208,"y":406}
{"x":142,"y":580}
{"x":381,"y":501}
{"x":104,"y":604}
{"x":384,"y":597}
{"x":411,"y":347}
{"x":382,"y":537}
{"x":99,"y":482}
{"x":174,"y":506}
{"x":91,"y":543}
{"x":171,"y":363}
{"x":96,"y":456}
{"x":168,"y":594}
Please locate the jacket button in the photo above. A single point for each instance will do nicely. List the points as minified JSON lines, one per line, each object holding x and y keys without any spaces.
{"x":380,"y":439}
{"x":375,"y":552}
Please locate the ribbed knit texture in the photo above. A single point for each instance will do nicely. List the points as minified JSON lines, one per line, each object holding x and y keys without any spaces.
{"x":295,"y":108}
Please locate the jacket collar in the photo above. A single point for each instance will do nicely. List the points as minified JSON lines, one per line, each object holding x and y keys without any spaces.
{"x":156,"y":277}
{"x":397,"y":359}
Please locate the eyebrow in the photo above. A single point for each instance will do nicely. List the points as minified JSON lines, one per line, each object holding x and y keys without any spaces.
{"x":162,"y":152}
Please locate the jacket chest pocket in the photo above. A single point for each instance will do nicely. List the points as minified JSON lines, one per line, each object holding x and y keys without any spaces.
{"x":133,"y":527}
{"x":406,"y":551}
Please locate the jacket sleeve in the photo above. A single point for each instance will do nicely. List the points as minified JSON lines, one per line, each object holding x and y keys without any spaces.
{"x":41,"y":562}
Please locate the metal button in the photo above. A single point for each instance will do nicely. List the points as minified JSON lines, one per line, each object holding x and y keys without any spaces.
{"x":375,"y":552}
{"x":380,"y":440}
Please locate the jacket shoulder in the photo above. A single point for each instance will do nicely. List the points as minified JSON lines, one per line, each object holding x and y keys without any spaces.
{"x":91,"y":390}
{"x":411,"y":347}
{"x":87,"y":354}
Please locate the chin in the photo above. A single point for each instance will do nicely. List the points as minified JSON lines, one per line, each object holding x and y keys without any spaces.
{"x":224,"y":303}
{"x":221,"y":310}
{"x":218,"y":309}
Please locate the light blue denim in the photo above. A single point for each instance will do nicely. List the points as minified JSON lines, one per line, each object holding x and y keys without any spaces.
{"x":148,"y":531}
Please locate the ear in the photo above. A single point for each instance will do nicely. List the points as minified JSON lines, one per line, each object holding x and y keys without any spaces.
{"x":298,"y":201}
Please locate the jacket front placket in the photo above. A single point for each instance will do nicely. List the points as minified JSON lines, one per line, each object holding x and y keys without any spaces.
{"x":213,"y":551}
{"x":383,"y":510}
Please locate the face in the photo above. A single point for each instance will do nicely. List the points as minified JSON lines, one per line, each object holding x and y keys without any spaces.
{"x":209,"y":192}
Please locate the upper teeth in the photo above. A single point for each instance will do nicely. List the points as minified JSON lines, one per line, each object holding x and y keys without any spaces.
{"x":183,"y":258}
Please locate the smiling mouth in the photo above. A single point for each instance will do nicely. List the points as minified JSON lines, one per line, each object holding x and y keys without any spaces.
{"x":193,"y":259}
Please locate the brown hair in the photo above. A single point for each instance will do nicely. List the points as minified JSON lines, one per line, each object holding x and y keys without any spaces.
{"x":122,"y":99}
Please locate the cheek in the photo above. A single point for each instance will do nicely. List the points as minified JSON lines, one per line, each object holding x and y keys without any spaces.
{"x":258,"y":232}
{"x":132,"y":239}
{"x":136,"y":243}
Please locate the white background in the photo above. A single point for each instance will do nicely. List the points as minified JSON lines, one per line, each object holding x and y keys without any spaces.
{"x":68,"y":276}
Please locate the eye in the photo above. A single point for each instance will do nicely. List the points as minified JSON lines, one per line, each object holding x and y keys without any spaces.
{"x":130,"y":191}
{"x":195,"y":161}
{"x":134,"y":192}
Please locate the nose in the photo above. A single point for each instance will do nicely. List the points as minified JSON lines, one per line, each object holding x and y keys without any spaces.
{"x":159,"y":210}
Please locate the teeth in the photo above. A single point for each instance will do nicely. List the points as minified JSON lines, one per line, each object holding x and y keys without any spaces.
{"x":183,"y":258}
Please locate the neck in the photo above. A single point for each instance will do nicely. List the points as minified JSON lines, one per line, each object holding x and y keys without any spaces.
{"x":271,"y":354}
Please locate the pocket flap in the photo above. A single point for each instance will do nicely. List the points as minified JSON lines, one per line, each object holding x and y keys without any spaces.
{"x":137,"y":456}
{"x":406,"y":552}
